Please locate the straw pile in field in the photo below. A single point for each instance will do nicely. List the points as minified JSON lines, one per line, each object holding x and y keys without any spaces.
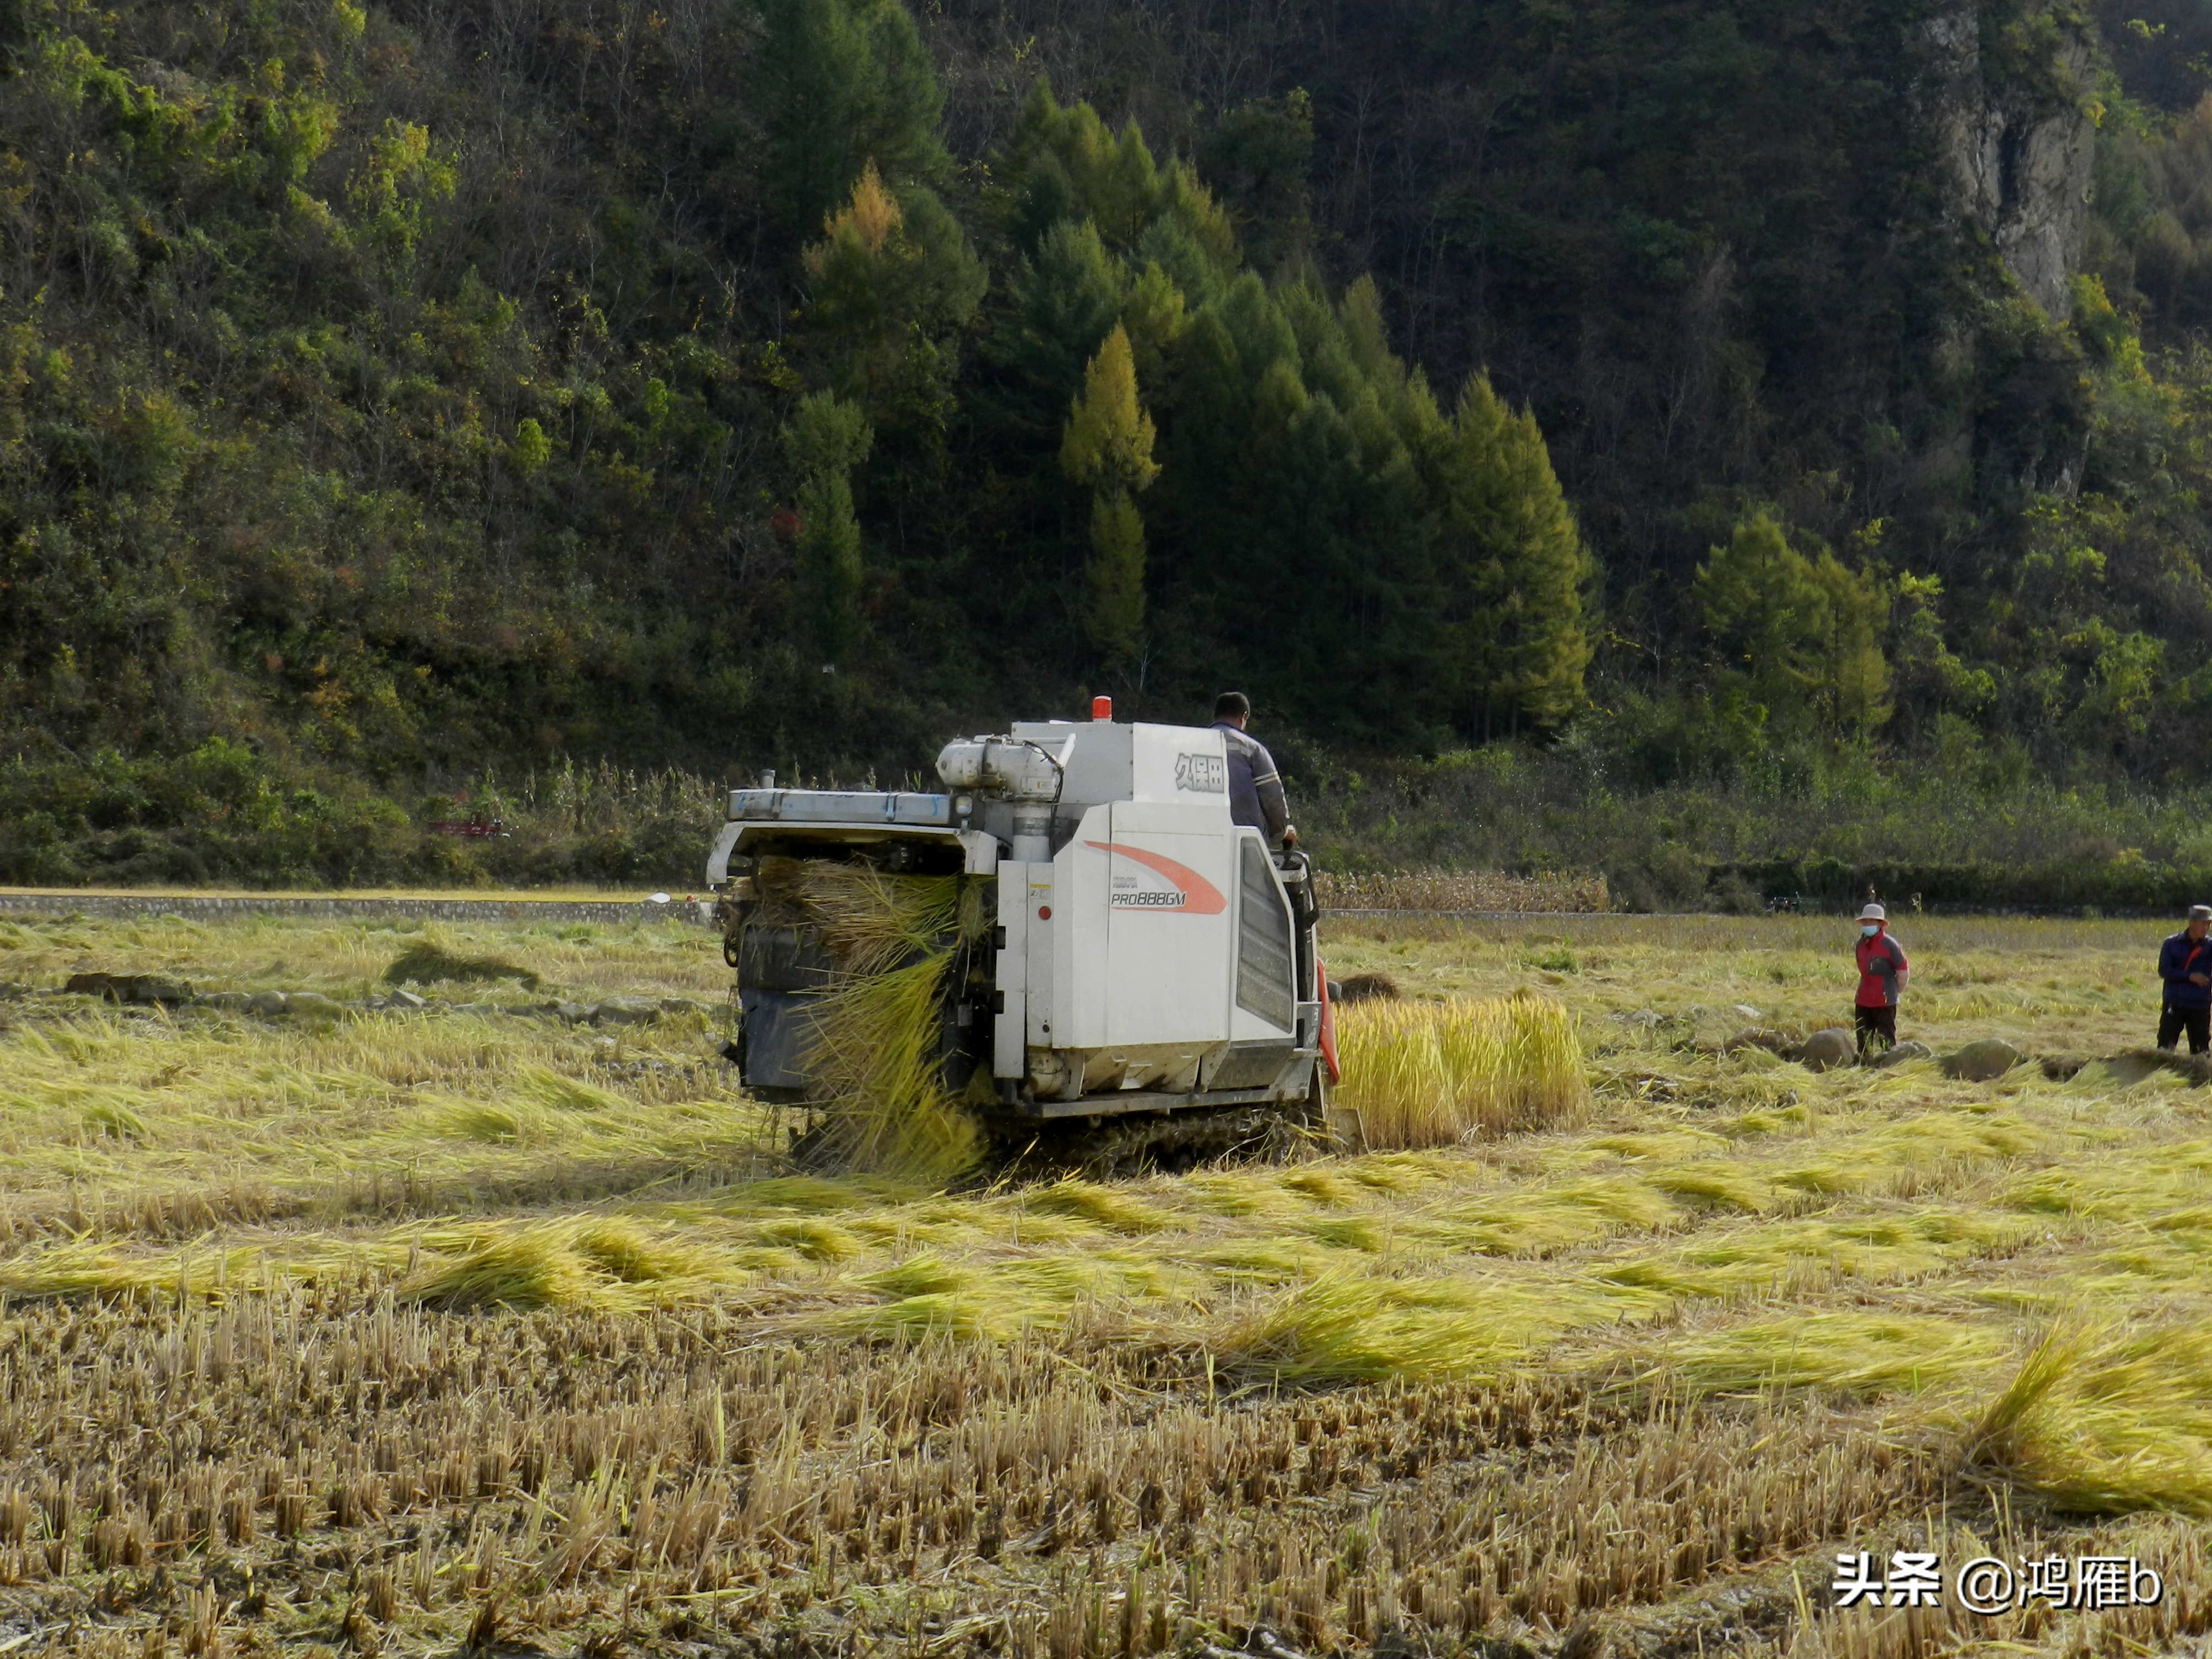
{"x":874,"y":1057}
{"x":1427,"y":1073}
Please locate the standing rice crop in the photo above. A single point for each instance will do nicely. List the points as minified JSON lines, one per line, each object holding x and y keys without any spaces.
{"x":1428,"y":1073}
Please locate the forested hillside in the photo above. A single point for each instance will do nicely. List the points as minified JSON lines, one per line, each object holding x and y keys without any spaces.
{"x":1707,"y":402}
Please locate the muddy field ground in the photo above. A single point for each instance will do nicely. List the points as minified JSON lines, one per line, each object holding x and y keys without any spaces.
{"x":484,"y":1325}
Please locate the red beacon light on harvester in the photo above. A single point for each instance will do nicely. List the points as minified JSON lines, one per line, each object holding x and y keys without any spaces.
{"x":1101,"y":708}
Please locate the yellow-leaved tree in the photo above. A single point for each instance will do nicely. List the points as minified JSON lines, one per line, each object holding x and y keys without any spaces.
{"x":1107,"y":448}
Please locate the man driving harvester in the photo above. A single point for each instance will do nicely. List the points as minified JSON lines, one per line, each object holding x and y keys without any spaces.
{"x":1256,"y":788}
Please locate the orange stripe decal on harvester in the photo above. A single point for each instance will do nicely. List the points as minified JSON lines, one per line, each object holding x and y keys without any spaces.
{"x":1189,"y":893}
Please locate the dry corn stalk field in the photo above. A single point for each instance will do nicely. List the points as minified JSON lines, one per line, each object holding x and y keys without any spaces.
{"x":427,"y":1331}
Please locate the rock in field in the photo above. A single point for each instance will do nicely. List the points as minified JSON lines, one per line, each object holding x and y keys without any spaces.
{"x":1745,"y":1011}
{"x":1982,"y":1062}
{"x":1365,"y":988}
{"x":2138,"y":1065}
{"x":626,"y":1011}
{"x":130,"y":987}
{"x":1900,"y":1052}
{"x":1824,"y":1051}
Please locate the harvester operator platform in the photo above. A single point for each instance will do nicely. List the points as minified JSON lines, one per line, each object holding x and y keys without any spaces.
{"x":1256,"y":788}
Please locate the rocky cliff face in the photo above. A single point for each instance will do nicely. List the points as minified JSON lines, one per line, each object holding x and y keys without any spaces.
{"x":2016,"y":166}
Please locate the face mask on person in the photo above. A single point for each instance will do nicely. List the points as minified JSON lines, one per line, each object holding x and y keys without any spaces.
{"x":1871,"y":928}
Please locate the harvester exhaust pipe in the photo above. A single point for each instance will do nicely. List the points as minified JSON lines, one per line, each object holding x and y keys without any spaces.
{"x":1033,"y":834}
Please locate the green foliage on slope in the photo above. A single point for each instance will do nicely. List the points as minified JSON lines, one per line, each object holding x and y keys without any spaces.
{"x":392,"y":394}
{"x":397,"y":391}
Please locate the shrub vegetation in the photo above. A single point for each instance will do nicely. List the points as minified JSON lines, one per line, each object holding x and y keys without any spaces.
{"x":396,"y":399}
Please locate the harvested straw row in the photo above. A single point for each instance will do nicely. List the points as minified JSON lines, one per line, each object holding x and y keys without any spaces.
{"x":875,"y":1064}
{"x":2103,"y":1420}
{"x":1428,"y":1073}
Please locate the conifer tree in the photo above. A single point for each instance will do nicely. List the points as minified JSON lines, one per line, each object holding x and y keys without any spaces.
{"x":1064,"y":163}
{"x":892,"y":277}
{"x":889,"y":260}
{"x":1108,"y":447}
{"x":1108,"y":440}
{"x":838,"y":82}
{"x":1758,"y":603}
{"x":1800,"y":635}
{"x":1065,"y":301}
{"x":829,"y":565}
{"x":826,"y":440}
{"x":1855,"y":678}
{"x":1513,"y":566}
{"x":1115,"y":624}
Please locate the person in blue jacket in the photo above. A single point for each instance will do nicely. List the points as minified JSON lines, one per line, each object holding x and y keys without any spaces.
{"x":2185,"y":963}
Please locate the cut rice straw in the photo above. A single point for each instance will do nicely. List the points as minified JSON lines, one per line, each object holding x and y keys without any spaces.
{"x":1340,"y":1327}
{"x":1845,"y":1352}
{"x":599,"y":1261}
{"x":873,"y":1057}
{"x":2101,"y":1421}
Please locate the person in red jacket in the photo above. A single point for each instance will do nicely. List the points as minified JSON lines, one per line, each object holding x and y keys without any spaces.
{"x":1882,"y":974}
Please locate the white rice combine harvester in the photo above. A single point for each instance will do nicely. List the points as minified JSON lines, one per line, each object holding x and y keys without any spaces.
{"x":1131,"y":971}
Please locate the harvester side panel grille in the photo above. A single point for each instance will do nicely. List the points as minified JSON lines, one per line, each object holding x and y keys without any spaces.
{"x":1263,"y":942}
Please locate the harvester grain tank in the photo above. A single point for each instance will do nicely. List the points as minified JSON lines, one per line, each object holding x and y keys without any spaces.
{"x":1132,"y":951}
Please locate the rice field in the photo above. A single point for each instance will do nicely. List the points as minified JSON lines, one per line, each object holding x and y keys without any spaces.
{"x":466,"y":1329}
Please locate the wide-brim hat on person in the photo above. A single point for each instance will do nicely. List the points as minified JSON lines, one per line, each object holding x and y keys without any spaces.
{"x":2200,"y":913}
{"x":1873,"y":913}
